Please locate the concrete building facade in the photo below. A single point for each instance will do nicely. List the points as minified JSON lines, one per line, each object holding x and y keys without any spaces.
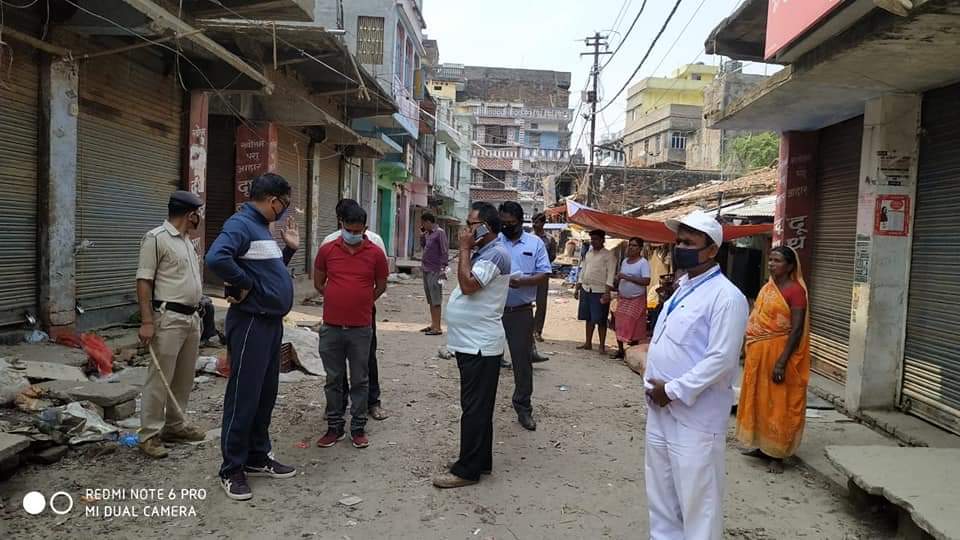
{"x":868,"y":187}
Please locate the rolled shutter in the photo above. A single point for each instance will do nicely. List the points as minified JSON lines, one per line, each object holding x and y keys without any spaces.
{"x":19,"y":131}
{"x":293,"y":148}
{"x":931,"y":370}
{"x":835,"y":230}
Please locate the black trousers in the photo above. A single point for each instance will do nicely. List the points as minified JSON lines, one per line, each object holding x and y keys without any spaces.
{"x":345,"y":353}
{"x":479,"y":376}
{"x":253,"y":343}
{"x":373,"y":374}
{"x":543,"y":293}
{"x":518,"y":325}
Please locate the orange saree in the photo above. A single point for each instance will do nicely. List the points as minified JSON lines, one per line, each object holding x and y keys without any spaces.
{"x":771,"y":416}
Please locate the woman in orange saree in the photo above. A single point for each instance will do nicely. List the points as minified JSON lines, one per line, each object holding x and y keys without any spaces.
{"x":773,"y":396}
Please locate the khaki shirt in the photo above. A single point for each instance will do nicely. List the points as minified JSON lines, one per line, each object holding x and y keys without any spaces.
{"x":599,"y":269}
{"x":170,"y":260}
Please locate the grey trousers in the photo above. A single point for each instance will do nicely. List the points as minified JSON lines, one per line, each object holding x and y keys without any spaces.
{"x":342,"y":349}
{"x":541,"y":315}
{"x":518,"y":326}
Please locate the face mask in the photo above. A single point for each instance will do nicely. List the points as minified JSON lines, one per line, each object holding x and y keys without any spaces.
{"x":512,"y":231}
{"x":283,"y":213}
{"x":351,"y":238}
{"x":686,"y":258}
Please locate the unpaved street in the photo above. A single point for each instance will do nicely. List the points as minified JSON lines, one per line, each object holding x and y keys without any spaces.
{"x":580,"y":475}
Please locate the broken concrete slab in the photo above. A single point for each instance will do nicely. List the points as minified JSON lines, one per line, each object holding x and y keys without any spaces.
{"x":136,"y":376}
{"x":925,"y":482}
{"x":120,"y":411}
{"x":102,"y":394}
{"x":46,"y":352}
{"x":48,"y":456}
{"x":49,"y":371}
{"x":11,"y":445}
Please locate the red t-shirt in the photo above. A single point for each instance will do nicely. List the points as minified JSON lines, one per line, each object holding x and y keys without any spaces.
{"x":795,"y":296}
{"x":351,"y":277}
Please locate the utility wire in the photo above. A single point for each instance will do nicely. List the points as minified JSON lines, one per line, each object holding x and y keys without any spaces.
{"x":625,"y":36}
{"x":645,"y":56}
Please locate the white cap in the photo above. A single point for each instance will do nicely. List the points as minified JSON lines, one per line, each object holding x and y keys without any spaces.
{"x":699,"y":221}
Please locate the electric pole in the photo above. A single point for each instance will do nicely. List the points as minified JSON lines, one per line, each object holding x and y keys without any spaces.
{"x":596,"y":41}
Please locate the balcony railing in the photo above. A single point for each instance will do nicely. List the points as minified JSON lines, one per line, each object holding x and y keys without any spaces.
{"x":501,"y":153}
{"x":544,"y":154}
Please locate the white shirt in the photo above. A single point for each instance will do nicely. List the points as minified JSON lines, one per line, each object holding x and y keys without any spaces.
{"x":474,"y":321}
{"x":639,"y":269}
{"x":371,"y":236}
{"x":696,"y":349}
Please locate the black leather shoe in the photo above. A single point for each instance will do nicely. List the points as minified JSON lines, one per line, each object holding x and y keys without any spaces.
{"x":538,"y":358}
{"x":526,"y":420}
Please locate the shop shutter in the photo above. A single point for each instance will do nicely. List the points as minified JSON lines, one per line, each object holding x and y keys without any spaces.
{"x":835,"y":230}
{"x":931,"y":365}
{"x":19,"y":130}
{"x":129,"y":149}
{"x":328,"y":186}
{"x":292,"y":162}
{"x":221,"y":180}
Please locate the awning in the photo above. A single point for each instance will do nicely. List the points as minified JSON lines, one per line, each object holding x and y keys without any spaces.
{"x":650,"y":231}
{"x":370,"y":147}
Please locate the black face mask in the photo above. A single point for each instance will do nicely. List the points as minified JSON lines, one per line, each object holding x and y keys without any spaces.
{"x":686,"y":258}
{"x":512,"y":231}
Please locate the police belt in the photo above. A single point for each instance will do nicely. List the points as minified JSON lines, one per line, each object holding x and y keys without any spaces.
{"x":183,"y":309}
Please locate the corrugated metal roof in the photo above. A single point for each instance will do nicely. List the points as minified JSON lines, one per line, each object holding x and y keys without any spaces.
{"x":760,"y":207}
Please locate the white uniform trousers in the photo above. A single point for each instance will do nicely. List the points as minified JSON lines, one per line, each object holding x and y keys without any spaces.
{"x":685,"y":479}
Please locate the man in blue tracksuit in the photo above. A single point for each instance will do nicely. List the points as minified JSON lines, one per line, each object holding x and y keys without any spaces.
{"x":260,"y":291}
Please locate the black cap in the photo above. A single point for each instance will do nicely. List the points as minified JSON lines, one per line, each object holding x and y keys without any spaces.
{"x":186,"y":198}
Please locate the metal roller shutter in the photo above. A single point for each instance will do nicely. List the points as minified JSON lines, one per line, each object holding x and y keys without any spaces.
{"x":129,"y":149}
{"x":835,"y":230}
{"x":19,"y":130}
{"x":221,"y":183}
{"x":328,"y":186}
{"x":292,"y":161}
{"x":931,"y":364}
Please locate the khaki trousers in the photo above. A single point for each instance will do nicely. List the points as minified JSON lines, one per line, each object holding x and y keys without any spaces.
{"x":177,"y":345}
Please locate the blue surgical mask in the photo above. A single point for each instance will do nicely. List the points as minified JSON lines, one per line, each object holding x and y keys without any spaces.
{"x":351,"y":238}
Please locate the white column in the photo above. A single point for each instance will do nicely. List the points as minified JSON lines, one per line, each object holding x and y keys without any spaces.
{"x":888,"y":179}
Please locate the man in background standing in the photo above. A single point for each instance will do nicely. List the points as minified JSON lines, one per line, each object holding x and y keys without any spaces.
{"x":594,"y":285}
{"x":475,"y":334}
{"x":169,"y":290}
{"x":351,"y":274}
{"x":691,"y":366}
{"x":436,"y":252}
{"x":529,"y":268}
{"x":543,"y":290}
{"x":374,"y":408}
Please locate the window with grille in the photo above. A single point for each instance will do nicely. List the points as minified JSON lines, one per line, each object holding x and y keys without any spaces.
{"x":678,"y":140}
{"x":370,"y":40}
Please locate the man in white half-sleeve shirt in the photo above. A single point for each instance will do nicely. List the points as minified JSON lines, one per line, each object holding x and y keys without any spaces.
{"x":475,"y":333}
{"x":689,"y":377}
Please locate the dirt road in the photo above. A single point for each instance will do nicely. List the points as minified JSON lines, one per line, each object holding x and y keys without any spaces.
{"x":580,"y":475}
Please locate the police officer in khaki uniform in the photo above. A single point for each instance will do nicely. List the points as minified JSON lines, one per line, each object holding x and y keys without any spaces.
{"x":169,"y":291}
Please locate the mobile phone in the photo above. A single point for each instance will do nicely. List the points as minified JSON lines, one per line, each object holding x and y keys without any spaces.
{"x":481,"y":231}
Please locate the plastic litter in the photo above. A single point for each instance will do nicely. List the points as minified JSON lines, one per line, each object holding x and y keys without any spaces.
{"x":563,"y":387}
{"x":129,"y":440}
{"x":351,"y":500}
{"x":37,"y":336}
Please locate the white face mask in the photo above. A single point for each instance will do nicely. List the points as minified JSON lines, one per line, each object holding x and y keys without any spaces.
{"x":351,"y":238}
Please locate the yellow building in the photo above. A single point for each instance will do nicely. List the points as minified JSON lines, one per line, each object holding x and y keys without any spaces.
{"x":662,"y":113}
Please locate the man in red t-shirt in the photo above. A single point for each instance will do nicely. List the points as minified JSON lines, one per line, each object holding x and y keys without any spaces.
{"x":350,"y":273}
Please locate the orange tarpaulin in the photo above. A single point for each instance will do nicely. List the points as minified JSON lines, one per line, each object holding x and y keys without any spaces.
{"x":649,"y":231}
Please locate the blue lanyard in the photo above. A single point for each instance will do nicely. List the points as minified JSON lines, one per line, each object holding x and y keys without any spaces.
{"x":677,"y":299}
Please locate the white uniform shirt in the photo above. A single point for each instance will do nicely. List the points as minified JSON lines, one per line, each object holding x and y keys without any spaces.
{"x":474,"y":321}
{"x":371,"y":236}
{"x":696,"y":348}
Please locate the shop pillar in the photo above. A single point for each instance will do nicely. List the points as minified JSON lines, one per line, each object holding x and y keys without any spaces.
{"x":256,"y":154}
{"x":196,"y":162}
{"x":58,"y":195}
{"x":888,"y":180}
{"x":796,"y":185}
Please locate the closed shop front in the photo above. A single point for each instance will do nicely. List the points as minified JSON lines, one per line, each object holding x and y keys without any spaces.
{"x":835,"y":230}
{"x":19,"y":131}
{"x":292,"y":150}
{"x":931,"y":364}
{"x":221,"y":183}
{"x":129,"y":160}
{"x":327,"y":183}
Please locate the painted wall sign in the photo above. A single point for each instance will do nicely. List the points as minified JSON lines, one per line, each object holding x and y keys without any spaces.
{"x":256,"y":154}
{"x":789,"y":19}
{"x":894,"y":169}
{"x":892,"y":215}
{"x":861,"y":259}
{"x":197,"y":159}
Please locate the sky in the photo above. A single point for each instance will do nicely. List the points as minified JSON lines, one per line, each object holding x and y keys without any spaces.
{"x":549,"y":34}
